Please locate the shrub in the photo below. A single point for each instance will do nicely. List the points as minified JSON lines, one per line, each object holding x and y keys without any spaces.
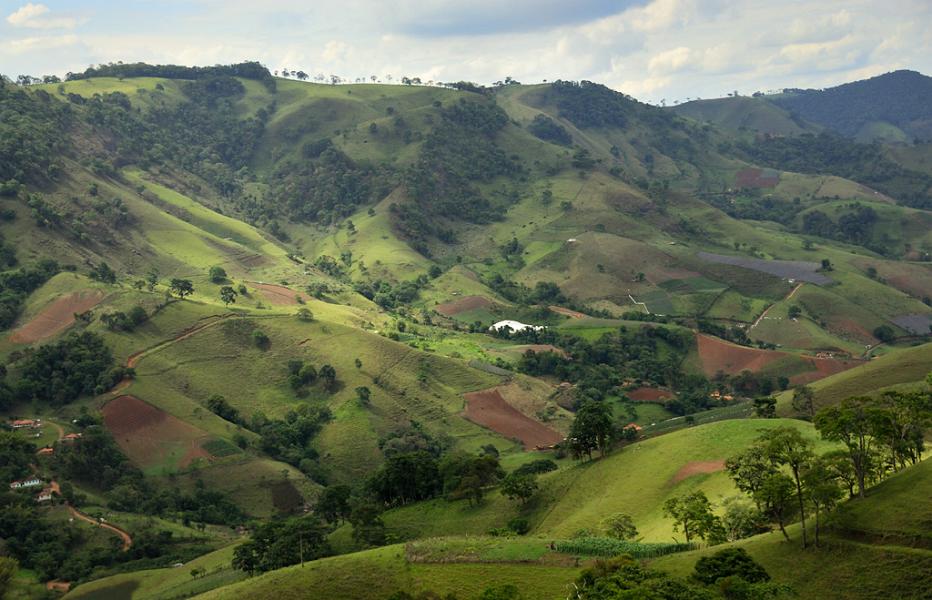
{"x":729,"y":562}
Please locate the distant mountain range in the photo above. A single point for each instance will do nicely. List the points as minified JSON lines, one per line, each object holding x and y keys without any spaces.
{"x":893,"y":107}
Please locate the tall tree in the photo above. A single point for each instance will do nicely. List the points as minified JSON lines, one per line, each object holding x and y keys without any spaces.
{"x":693,"y":513}
{"x":785,"y":446}
{"x":803,"y":401}
{"x":822,"y":489}
{"x":591,"y":429}
{"x":181,"y":287}
{"x":853,"y":423}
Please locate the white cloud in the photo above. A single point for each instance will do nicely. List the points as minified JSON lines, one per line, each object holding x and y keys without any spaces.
{"x":36,"y":16}
{"x":651,"y":49}
{"x":670,"y":61}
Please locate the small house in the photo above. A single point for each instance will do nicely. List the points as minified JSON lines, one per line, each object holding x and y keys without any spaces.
{"x":633,"y":426}
{"x":47,"y":451}
{"x":25,"y":483}
{"x":25,"y":424}
{"x":45,"y":495}
{"x":71,"y":437}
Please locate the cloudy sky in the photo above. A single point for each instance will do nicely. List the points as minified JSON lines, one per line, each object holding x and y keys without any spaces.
{"x":651,"y":49}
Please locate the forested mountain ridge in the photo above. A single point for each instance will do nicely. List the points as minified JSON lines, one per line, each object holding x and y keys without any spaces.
{"x":898,"y":98}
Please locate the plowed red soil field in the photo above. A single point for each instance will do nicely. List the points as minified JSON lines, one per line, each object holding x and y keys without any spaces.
{"x":823,"y":368}
{"x":150,"y":436}
{"x":647,"y":394}
{"x":718,"y":355}
{"x":57,"y":316}
{"x":279,"y":295}
{"x":464,"y":304}
{"x":489,"y":409}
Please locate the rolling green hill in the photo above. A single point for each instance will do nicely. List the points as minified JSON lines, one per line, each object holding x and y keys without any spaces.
{"x":349,"y":246}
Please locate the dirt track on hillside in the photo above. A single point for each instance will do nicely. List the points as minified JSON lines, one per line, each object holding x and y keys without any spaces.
{"x":489,"y":409}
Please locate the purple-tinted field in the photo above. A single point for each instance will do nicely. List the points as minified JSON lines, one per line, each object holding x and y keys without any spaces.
{"x":787,"y":269}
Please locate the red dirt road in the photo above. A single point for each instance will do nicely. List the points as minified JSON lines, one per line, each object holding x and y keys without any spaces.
{"x":695,"y":468}
{"x":464,"y":304}
{"x":57,"y":316}
{"x":127,"y":539}
{"x":147,"y":435}
{"x":489,"y":409}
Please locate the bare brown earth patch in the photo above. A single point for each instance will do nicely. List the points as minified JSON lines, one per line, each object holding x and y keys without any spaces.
{"x":489,"y":409}
{"x":279,"y":295}
{"x":537,"y":348}
{"x":150,"y":436}
{"x":57,"y":316}
{"x":696,"y":468}
{"x":718,"y":355}
{"x":573,"y":314}
{"x":823,"y":367}
{"x":753,"y":177}
{"x":648,"y":394}
{"x":464,"y":304}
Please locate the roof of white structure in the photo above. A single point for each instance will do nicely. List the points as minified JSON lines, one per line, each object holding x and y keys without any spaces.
{"x":514,"y":325}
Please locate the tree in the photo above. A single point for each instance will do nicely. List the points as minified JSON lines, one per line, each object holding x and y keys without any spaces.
{"x":103,"y":273}
{"x":591,"y":429}
{"x":803,"y":401}
{"x":368,"y":527}
{"x":730,"y":562}
{"x":260,"y":339}
{"x":794,"y":312}
{"x":333,"y":504}
{"x":8,"y":569}
{"x":362,"y":394}
{"x":852,"y":422}
{"x":280,"y":543}
{"x":227,"y":295}
{"x":328,"y":375}
{"x":822,"y":490}
{"x":785,"y":446}
{"x":304,"y":314}
{"x":152,"y":278}
{"x":765,"y":407}
{"x":693,"y":513}
{"x":181,"y":287}
{"x":885,"y":334}
{"x":750,"y":471}
{"x":519,"y":487}
{"x":620,"y":526}
{"x":827,"y":265}
{"x":217,"y":274}
{"x":741,"y":518}
{"x":777,"y":494}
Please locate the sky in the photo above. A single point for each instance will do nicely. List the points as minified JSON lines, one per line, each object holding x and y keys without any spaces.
{"x":654,"y":50}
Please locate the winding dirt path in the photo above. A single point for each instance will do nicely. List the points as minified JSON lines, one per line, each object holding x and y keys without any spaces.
{"x":767,"y":310}
{"x":127,"y":539}
{"x":133,"y":359}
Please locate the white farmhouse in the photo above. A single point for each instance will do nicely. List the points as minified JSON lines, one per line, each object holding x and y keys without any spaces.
{"x":515,"y":326}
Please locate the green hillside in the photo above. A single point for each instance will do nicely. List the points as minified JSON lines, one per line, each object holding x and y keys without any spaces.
{"x":248,"y":296}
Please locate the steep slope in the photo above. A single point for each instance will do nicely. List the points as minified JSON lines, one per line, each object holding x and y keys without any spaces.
{"x":741,"y":112}
{"x":890,"y":107}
